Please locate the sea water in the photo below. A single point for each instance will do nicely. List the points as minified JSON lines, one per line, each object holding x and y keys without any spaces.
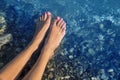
{"x":91,"y":48}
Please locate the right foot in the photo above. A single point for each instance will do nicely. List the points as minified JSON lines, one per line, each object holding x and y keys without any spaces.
{"x":56,"y":34}
{"x":42,"y":26}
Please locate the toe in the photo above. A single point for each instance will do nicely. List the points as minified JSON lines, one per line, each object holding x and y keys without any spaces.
{"x":45,"y":16}
{"x":56,"y":21}
{"x":42,"y":17}
{"x":48,"y":16}
{"x":64,"y":29}
{"x":64,"y":26}
{"x":48,"y":13}
{"x":60,"y":22}
{"x":58,"y":18}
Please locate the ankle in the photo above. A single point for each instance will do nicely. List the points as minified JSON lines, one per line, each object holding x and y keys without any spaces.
{"x":47,"y":51}
{"x":33,"y":44}
{"x":50,"y":47}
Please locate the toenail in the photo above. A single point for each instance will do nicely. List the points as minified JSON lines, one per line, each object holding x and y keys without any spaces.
{"x":48,"y":13}
{"x":58,"y":18}
{"x":63,"y":22}
{"x":61,"y":19}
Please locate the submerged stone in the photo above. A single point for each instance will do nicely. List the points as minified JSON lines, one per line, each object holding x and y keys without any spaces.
{"x":67,"y":77}
{"x":71,"y":50}
{"x":70,"y":56}
{"x":50,"y":75}
{"x":94,"y":78}
{"x":101,"y":26}
{"x":4,"y":39}
{"x":2,"y":23}
{"x":91,"y":51}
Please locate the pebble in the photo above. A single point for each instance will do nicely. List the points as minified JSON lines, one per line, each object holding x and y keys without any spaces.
{"x":101,"y":26}
{"x":66,"y":66}
{"x":110,"y":70}
{"x":67,"y":77}
{"x":52,"y":69}
{"x":100,"y":37}
{"x":91,"y":51}
{"x":62,"y":78}
{"x":5,"y":39}
{"x":65,"y":52}
{"x":71,"y":50}
{"x":50,"y":75}
{"x":70,"y":57}
{"x":94,"y":78}
{"x":18,"y":49}
{"x":62,"y":53}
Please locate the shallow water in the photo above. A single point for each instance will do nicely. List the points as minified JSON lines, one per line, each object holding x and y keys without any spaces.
{"x":90,"y":49}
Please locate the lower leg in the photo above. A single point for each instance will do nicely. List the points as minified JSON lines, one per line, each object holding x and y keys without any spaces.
{"x":13,"y":68}
{"x":54,"y":38}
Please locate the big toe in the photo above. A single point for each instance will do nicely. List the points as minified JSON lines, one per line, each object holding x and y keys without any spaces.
{"x":56,"y":21}
{"x":48,"y":17}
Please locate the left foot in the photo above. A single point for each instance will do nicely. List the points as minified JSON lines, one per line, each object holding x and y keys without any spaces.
{"x":42,"y":27}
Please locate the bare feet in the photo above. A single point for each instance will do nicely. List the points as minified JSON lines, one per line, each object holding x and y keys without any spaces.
{"x":53,"y":40}
{"x":56,"y":34}
{"x":42,"y":26}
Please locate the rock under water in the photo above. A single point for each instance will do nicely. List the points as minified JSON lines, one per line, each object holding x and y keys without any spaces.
{"x":4,"y":37}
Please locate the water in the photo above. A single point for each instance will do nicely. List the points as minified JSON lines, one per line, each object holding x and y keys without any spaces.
{"x":90,"y":49}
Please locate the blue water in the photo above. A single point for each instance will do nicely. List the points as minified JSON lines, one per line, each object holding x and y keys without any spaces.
{"x":92,"y":38}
